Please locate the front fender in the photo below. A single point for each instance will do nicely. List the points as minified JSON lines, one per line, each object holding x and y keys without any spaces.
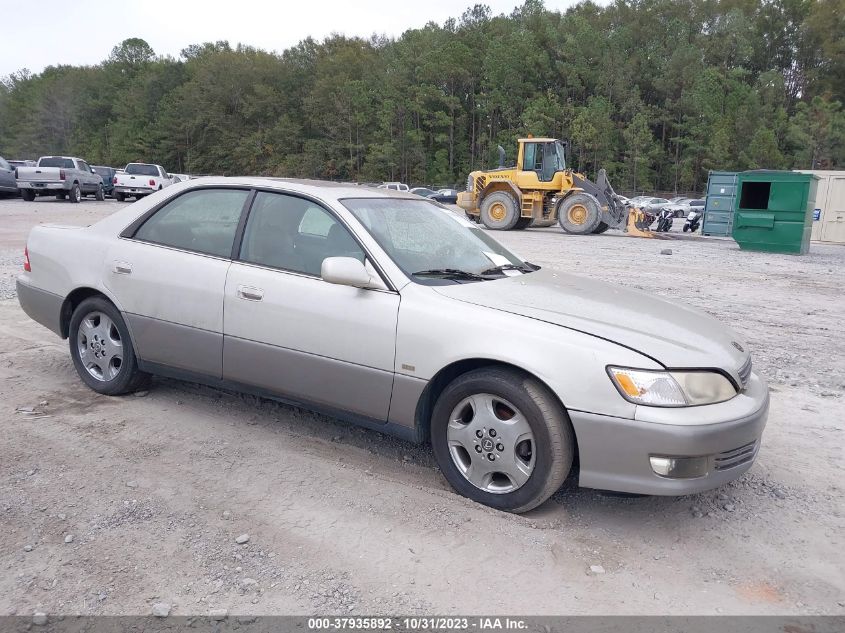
{"x":434,"y":332}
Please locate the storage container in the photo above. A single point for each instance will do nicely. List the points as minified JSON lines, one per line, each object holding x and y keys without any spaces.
{"x":719,"y":203}
{"x":829,"y":213}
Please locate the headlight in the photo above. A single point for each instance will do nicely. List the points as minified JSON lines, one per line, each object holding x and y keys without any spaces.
{"x":671,"y":389}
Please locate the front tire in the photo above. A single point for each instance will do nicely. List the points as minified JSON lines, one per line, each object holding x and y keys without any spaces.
{"x":601,"y":228}
{"x":75,"y":194}
{"x":502,"y":438}
{"x":579,"y":214}
{"x":100,"y":195}
{"x":102,"y":350}
{"x":523,"y":223}
{"x":499,"y":211}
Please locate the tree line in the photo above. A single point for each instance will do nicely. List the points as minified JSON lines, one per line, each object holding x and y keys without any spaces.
{"x":657,"y":92}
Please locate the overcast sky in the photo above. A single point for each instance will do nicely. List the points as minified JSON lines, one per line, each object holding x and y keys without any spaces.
{"x":83,"y":32}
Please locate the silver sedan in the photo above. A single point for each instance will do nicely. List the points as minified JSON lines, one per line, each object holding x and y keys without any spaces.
{"x":387,"y":310}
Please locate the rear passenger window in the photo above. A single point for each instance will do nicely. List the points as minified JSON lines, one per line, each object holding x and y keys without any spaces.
{"x":202,"y":221}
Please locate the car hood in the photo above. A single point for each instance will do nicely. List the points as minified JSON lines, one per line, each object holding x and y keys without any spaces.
{"x":673,"y":334}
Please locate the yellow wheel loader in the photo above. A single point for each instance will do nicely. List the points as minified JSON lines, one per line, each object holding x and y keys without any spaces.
{"x":540,"y":189}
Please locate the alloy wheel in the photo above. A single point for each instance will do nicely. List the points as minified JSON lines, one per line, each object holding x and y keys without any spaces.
{"x":100,"y":346}
{"x":491,"y":443}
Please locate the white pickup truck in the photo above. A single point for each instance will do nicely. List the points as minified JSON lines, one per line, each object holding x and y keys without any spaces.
{"x":139,"y":180}
{"x":65,"y":177}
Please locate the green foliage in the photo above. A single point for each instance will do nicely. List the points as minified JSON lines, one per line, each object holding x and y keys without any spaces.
{"x":657,"y":92}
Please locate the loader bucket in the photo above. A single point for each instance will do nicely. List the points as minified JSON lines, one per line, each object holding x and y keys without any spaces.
{"x":635,"y":227}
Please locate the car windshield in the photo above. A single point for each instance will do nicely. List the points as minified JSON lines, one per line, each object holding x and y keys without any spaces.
{"x":102,"y":171}
{"x":139,"y":169}
{"x":431,"y":244}
{"x":56,"y":161}
{"x":422,"y":191}
{"x":696,"y":203}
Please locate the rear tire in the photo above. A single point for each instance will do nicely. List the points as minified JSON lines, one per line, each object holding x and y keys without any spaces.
{"x":119,"y":196}
{"x":28,"y":195}
{"x":75,"y":194}
{"x":534,"y":438}
{"x":579,"y":214}
{"x":102,"y":350}
{"x":499,"y":211}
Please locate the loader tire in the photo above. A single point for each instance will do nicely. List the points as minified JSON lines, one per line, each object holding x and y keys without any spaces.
{"x":522,"y":223}
{"x":601,"y":228}
{"x":579,"y":214}
{"x":499,"y":211}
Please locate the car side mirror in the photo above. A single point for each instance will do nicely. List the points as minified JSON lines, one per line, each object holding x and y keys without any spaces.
{"x":345,"y":271}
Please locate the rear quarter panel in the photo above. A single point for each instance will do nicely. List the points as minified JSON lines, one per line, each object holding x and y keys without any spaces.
{"x":65,"y":258}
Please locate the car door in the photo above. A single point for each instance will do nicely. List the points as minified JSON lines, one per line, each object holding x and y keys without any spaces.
{"x":7,"y":177}
{"x":168,"y":273}
{"x":291,"y":333}
{"x":86,"y":178}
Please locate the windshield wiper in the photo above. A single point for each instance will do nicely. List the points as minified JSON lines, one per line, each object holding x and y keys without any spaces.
{"x":449,"y":273}
{"x":500,"y":269}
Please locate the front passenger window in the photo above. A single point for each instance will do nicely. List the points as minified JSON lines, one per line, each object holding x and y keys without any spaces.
{"x":294,"y":234}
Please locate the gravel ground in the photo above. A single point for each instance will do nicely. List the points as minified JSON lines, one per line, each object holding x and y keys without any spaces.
{"x":187,"y":499}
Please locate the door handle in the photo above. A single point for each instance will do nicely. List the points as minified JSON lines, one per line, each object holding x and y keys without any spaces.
{"x":122,"y":268}
{"x":250,"y":294}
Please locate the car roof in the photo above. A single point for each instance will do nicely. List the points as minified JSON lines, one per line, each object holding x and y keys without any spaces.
{"x":324,"y":189}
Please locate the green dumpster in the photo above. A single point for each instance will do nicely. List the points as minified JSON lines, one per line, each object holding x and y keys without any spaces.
{"x":773,"y":211}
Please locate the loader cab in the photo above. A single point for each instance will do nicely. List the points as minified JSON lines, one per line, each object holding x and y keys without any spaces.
{"x":543,"y":156}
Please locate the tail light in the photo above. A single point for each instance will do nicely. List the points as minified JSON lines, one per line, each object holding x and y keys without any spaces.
{"x":26,"y":265}
{"x":114,"y":180}
{"x":61,"y":174}
{"x":152,"y":183}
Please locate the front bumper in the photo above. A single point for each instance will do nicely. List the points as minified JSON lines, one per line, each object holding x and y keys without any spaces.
{"x":615,"y":453}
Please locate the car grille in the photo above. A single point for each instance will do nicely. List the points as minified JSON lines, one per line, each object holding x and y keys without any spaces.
{"x":745,"y":373}
{"x":738,"y":456}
